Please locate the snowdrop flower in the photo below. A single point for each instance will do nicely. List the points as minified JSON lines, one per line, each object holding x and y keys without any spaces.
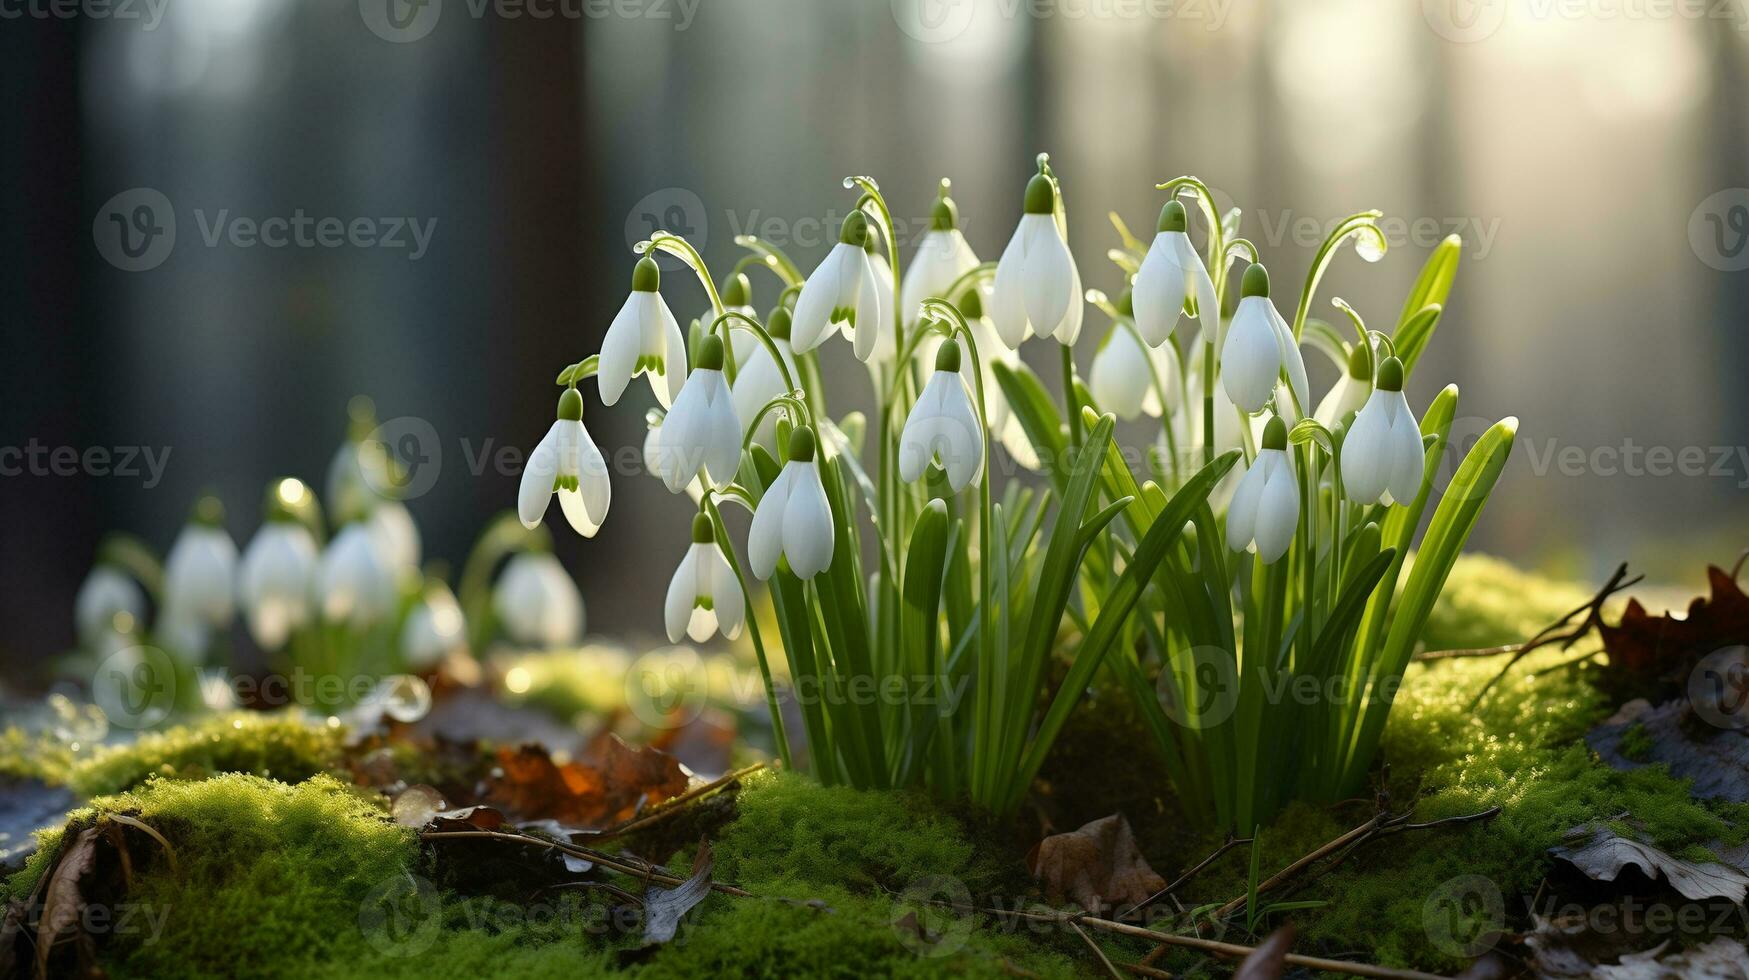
{"x":886,"y":344}
{"x":758,"y":379}
{"x":793,"y":519}
{"x":1382,"y":456}
{"x":943,"y":426}
{"x":843,"y":293}
{"x":1125,"y":369}
{"x":942,"y":257}
{"x":644,"y":338}
{"x":653,"y":456}
{"x":1003,"y":423}
{"x":278,"y":573}
{"x":702,"y":433}
{"x":1350,"y":393}
{"x":704,"y":594}
{"x":737,"y":296}
{"x":434,"y":629}
{"x":1266,"y":507}
{"x":354,"y":585}
{"x":1259,"y":346}
{"x":1038,"y":288}
{"x":200,"y":573}
{"x":566,"y":462}
{"x":537,"y":602}
{"x":396,"y":535}
{"x":109,"y":602}
{"x":1171,"y":271}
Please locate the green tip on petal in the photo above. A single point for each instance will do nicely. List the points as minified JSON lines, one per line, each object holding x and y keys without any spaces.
{"x":1390,"y":375}
{"x":1041,"y":197}
{"x":1359,"y":363}
{"x":1275,"y":433}
{"x":971,"y":304}
{"x":571,"y":405}
{"x":646,"y":277}
{"x":777,"y":323}
{"x":801,"y":445}
{"x":946,"y":215}
{"x":1256,"y":281}
{"x":738,"y":291}
{"x":854,"y":231}
{"x":703,"y":532}
{"x":208,"y":511}
{"x":947,"y":358}
{"x":710,"y":353}
{"x":1126,"y":303}
{"x":1172,"y":217}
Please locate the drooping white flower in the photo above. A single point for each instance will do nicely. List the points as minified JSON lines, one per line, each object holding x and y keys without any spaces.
{"x":644,"y":338}
{"x":1349,"y":393}
{"x":1002,"y":421}
{"x":354,"y":585}
{"x":109,"y":602}
{"x":794,"y":518}
{"x":396,"y":534}
{"x":704,"y":594}
{"x":277,"y":583}
{"x":1125,"y":371}
{"x":943,"y":256}
{"x":943,"y":427}
{"x":1259,"y":347}
{"x":737,"y":296}
{"x":1266,"y":507}
{"x":702,"y":434}
{"x":1382,"y":457}
{"x":537,"y":602}
{"x":1038,"y":287}
{"x":886,"y":345}
{"x":843,"y":293}
{"x":758,"y":379}
{"x":653,"y":456}
{"x":568,"y":463}
{"x":435,"y":628}
{"x":1171,"y":271}
{"x":200,"y":574}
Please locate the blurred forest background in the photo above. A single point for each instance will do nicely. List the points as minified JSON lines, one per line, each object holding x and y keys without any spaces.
{"x":1593,"y":158}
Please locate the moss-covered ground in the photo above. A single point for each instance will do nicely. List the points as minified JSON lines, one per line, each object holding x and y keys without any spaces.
{"x":282,"y":870}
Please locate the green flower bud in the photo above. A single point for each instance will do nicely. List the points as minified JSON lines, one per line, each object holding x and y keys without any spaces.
{"x":738,"y":290}
{"x":777,"y":323}
{"x":1275,"y":433}
{"x":1360,"y":362}
{"x":571,"y":405}
{"x":1126,"y":304}
{"x":1256,"y":281}
{"x":971,"y":304}
{"x":1390,"y":377}
{"x":854,"y":231}
{"x":208,"y":511}
{"x":646,"y":277}
{"x":801,"y":445}
{"x":1041,"y":197}
{"x":703,"y":532}
{"x":710,"y":353}
{"x":1172,"y":217}
{"x":946,"y":215}
{"x":947,"y":357}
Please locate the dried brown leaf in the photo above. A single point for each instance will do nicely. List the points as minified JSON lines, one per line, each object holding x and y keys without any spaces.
{"x":64,"y":898}
{"x":664,"y":907}
{"x":1269,"y":960}
{"x":1096,"y":866}
{"x":1602,"y":854}
{"x":1653,"y":656}
{"x":611,"y":782}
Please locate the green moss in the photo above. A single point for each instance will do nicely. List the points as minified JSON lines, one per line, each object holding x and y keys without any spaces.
{"x":1489,"y":602}
{"x":1636,"y":743}
{"x":27,"y":756}
{"x":283,"y":746}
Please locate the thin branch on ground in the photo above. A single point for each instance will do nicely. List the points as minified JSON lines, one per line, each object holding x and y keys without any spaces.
{"x":669,"y":807}
{"x":633,"y":867}
{"x":1231,"y":843}
{"x":1096,"y":950}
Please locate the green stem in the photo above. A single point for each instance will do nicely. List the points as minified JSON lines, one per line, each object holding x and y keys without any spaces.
{"x":771,"y":702}
{"x":729,"y":318}
{"x":682,"y":249}
{"x":770,"y":257}
{"x":1359,"y":223}
{"x":1069,"y":406}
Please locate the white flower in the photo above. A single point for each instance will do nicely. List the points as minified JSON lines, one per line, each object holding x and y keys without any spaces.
{"x":843,"y":293}
{"x":943,"y":426}
{"x":758,"y":379}
{"x":353,"y":583}
{"x":396,"y":534}
{"x":537,"y":602}
{"x":200,"y":574}
{"x":434,"y":629}
{"x":644,"y":338}
{"x":1003,"y":423}
{"x":1266,"y":507}
{"x":1038,"y":288}
{"x":1382,"y":455}
{"x":566,"y":462}
{"x":1349,"y":393}
{"x":1171,"y":271}
{"x":942,"y":257}
{"x":275,"y":587}
{"x":702,"y":433}
{"x":793,"y":519}
{"x":886,"y":345}
{"x":1259,"y":346}
{"x":109,"y":602}
{"x":653,"y":457}
{"x":704,"y":594}
{"x":1124,"y":372}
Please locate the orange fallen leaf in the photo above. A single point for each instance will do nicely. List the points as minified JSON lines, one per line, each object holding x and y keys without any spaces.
{"x":1096,"y":866}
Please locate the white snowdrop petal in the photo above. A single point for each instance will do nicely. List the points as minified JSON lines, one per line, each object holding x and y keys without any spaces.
{"x":1049,"y":270}
{"x":1242,"y":512}
{"x":868,"y":325}
{"x":536,"y":487}
{"x":967,"y":437}
{"x":1120,"y":379}
{"x":1007,"y":302}
{"x":726,"y":595}
{"x":819,"y":296}
{"x":682,"y":593}
{"x":1364,"y":467}
{"x":1250,"y":358}
{"x":1208,"y":308}
{"x":1289,"y":353}
{"x":619,"y":351}
{"x":765,"y":534}
{"x":1069,"y":330}
{"x":1278,"y":512}
{"x":1158,"y":293}
{"x":807,"y":523}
